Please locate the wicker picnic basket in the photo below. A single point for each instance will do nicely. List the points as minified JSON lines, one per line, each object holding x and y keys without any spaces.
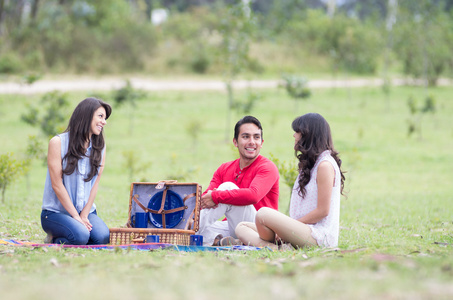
{"x":173,"y":211}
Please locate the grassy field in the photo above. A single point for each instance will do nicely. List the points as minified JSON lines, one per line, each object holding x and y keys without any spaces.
{"x":396,"y":223}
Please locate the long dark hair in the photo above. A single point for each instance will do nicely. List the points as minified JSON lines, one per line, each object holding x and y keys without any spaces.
{"x":79,"y":133}
{"x":315,"y":139}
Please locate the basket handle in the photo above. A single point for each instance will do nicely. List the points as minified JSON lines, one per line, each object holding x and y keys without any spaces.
{"x":188,"y":197}
{"x":161,"y":184}
{"x":135,"y":198}
{"x":164,"y":197}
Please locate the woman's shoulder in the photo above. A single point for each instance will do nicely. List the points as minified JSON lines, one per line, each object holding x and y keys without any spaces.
{"x":56,"y":140}
{"x":326,"y":159}
{"x":325,"y":166}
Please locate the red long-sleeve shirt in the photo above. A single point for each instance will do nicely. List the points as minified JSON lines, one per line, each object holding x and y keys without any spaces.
{"x":258,"y":184}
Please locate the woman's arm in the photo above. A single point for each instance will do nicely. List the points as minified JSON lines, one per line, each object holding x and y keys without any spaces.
{"x":86,"y":210}
{"x":55,"y":172}
{"x":325,"y":181}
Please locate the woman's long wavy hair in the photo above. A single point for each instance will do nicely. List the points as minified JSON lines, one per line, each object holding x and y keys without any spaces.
{"x":315,"y":139}
{"x":79,"y":133}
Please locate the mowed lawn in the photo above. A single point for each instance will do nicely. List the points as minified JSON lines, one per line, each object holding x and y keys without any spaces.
{"x":396,"y":222}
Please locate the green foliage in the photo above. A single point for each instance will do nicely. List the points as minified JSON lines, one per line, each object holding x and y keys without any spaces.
{"x":10,"y":169}
{"x":288,"y":171}
{"x":50,"y":115}
{"x":246,"y":106}
{"x":277,"y":20}
{"x":423,"y":41}
{"x":200,"y":59}
{"x":34,"y":150}
{"x":134,"y":165}
{"x":297,"y":87}
{"x":128,"y":94}
{"x":31,"y":78}
{"x":415,"y":120}
{"x":193,"y":128}
{"x":80,"y":37}
{"x":236,"y":27}
{"x":180,"y":173}
{"x":182,"y":27}
{"x":350,"y":44}
{"x":10,"y":63}
{"x":105,"y":37}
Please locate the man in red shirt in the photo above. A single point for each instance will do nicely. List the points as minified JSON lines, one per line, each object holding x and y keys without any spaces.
{"x":240,"y":187}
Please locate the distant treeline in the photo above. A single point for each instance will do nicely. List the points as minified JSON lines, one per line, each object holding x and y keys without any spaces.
{"x":179,"y":36}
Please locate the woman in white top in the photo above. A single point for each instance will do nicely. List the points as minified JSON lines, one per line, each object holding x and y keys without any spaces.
{"x":315,"y":201}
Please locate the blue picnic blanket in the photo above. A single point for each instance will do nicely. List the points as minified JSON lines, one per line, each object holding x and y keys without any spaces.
{"x":144,"y":246}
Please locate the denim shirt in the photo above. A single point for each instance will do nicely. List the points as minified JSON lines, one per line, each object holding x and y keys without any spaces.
{"x":78,"y":189}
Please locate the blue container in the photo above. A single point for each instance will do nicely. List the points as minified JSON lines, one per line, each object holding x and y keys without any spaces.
{"x":140,"y":220}
{"x":152,"y":239}
{"x":196,"y":240}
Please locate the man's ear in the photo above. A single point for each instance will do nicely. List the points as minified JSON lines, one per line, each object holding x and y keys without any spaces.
{"x":235,"y":142}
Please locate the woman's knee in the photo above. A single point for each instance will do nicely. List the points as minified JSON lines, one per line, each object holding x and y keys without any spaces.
{"x":100,"y":234}
{"x":79,"y":237}
{"x":100,"y":237}
{"x":241,"y":228}
{"x":263,"y":213}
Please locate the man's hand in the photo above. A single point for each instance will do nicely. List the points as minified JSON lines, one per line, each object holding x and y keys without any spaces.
{"x":206,"y":201}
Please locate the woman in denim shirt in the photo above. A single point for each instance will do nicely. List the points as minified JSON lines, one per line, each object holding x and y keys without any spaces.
{"x":75,"y":162}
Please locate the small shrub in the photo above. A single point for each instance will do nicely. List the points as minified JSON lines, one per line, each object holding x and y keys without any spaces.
{"x":297,"y":87}
{"x":10,"y":64}
{"x":193,"y":128}
{"x":52,"y":120}
{"x":134,"y":164}
{"x":287,"y":170}
{"x":417,"y":112}
{"x":10,"y":170}
{"x":200,"y":61}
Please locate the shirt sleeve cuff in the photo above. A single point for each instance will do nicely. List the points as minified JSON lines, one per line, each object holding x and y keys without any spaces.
{"x":214,"y":197}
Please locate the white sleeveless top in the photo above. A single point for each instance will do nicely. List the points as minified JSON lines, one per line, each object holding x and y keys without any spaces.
{"x":326,"y":231}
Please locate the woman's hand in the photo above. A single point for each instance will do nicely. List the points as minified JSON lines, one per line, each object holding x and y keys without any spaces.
{"x":84,"y":220}
{"x":278,"y":240}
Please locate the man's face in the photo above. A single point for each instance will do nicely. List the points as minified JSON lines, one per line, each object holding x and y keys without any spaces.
{"x":249,"y":141}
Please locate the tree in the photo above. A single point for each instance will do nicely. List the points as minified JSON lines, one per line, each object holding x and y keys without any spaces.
{"x":10,"y":169}
{"x":423,"y":40}
{"x":236,"y":28}
{"x":288,"y":172}
{"x":34,"y":150}
{"x":297,"y":88}
{"x":52,"y":120}
{"x":128,"y":95}
{"x":417,"y":112}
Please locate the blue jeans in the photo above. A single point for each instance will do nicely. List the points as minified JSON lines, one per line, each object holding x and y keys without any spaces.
{"x":66,"y":230}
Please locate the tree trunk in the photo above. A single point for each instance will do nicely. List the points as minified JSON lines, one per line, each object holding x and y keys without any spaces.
{"x":2,"y":5}
{"x":149,"y":9}
{"x":34,"y":10}
{"x":331,"y":6}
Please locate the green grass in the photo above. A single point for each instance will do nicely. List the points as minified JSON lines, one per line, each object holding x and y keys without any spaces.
{"x":396,"y":222}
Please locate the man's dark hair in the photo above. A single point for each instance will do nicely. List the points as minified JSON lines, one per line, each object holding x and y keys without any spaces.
{"x":246,"y":120}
